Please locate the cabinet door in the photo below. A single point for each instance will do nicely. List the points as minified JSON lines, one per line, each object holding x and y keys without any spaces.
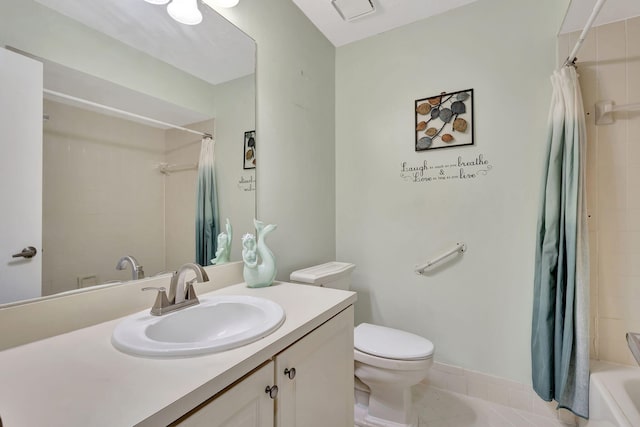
{"x":244,"y":405}
{"x":321,"y":392}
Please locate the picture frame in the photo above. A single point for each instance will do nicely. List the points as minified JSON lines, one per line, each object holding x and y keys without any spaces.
{"x":444,"y":120}
{"x":249,"y":153}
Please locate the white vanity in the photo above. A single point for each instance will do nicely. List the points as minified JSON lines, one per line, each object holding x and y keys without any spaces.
{"x":80,"y":379}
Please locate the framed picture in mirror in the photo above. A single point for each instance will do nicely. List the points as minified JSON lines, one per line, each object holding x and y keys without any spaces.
{"x":249,"y":150}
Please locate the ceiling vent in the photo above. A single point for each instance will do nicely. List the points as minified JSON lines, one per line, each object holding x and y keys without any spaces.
{"x":351,"y":10}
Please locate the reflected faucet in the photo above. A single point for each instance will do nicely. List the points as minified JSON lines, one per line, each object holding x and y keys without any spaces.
{"x":180,"y":296}
{"x":136,"y":269}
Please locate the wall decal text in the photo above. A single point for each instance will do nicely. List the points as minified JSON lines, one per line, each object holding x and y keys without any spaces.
{"x":247,"y":183}
{"x":463,"y":168}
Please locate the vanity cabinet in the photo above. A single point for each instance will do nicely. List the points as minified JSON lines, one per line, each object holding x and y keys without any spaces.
{"x":314,"y":379}
{"x":243,"y":405}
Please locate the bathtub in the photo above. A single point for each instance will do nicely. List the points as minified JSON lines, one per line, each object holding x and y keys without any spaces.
{"x":614,"y":396}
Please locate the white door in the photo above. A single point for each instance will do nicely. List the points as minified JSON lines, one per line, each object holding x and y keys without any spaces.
{"x":20,"y":176}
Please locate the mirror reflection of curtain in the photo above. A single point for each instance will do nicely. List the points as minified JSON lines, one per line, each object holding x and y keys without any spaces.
{"x":207,"y":214}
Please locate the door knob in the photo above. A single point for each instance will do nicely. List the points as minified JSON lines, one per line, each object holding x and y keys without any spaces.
{"x":29,"y":252}
{"x":291,"y":373}
{"x":272,"y":391}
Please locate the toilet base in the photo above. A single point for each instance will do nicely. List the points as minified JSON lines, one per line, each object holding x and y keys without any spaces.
{"x":390,"y":400}
{"x":363,"y":419}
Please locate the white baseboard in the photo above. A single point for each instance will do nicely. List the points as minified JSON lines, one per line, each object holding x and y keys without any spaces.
{"x":495,"y":389}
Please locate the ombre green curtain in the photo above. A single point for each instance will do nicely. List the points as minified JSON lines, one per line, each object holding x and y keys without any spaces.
{"x":207,"y":221}
{"x":560,"y":329}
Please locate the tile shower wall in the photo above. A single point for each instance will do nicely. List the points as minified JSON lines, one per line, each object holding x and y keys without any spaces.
{"x":102,"y":193}
{"x":609,"y":68}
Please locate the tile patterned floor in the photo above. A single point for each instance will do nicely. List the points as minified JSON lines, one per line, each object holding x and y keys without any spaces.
{"x":441,"y":408}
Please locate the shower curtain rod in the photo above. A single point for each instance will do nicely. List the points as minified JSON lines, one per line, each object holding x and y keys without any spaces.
{"x":126,"y":113}
{"x":594,"y":14}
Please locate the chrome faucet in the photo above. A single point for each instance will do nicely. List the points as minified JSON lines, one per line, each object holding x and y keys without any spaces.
{"x":180,"y":296}
{"x":136,"y":269}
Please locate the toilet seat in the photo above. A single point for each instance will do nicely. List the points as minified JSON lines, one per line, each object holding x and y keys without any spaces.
{"x":392,"y":364}
{"x":389,"y":343}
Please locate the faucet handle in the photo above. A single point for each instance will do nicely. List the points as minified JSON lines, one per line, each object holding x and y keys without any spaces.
{"x":140,"y":272}
{"x":161,"y":302}
{"x":190,"y":293}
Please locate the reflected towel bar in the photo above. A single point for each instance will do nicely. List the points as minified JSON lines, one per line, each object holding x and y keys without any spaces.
{"x":459,"y":248}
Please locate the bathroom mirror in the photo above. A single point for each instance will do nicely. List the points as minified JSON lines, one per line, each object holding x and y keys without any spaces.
{"x":115,"y":184}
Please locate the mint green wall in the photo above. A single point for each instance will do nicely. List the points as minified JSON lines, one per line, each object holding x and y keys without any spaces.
{"x":477,"y":309}
{"x":295,"y":131}
{"x":236,"y":114}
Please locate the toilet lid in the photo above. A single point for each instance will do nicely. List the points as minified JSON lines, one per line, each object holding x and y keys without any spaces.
{"x":391,"y":343}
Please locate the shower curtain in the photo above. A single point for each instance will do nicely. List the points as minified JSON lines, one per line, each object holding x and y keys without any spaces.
{"x":207,"y":222}
{"x":560,"y":329}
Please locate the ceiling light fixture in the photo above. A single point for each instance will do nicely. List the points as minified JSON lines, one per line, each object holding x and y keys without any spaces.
{"x":185,"y":11}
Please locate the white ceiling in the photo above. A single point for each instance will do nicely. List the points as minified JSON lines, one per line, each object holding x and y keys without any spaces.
{"x":612,"y":11}
{"x":215,"y":50}
{"x":71,"y":82}
{"x":389,"y":14}
{"x":74,"y":83}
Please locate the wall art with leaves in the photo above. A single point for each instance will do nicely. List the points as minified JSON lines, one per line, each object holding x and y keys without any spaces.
{"x":249,"y":161}
{"x":444,"y":120}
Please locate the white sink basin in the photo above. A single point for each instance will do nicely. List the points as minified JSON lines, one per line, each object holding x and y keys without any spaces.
{"x":217,"y":324}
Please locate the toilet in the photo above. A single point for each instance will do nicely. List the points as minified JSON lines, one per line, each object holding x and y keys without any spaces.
{"x":388,"y":362}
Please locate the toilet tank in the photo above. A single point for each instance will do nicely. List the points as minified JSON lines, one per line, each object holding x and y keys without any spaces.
{"x":335,"y":275}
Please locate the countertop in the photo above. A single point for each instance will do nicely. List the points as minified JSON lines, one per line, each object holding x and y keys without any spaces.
{"x":80,"y":379}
